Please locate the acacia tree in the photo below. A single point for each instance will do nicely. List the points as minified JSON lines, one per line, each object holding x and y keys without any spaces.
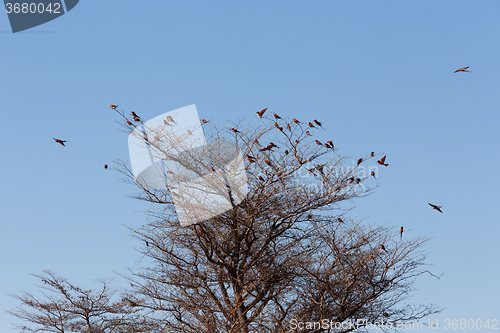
{"x":260,"y":246}
{"x":284,"y":253}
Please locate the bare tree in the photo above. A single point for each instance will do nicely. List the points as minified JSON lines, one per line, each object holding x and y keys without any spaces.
{"x":285,"y":253}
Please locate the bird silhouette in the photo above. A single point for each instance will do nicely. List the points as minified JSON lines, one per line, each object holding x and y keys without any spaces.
{"x":261,"y":178}
{"x":113,"y":106}
{"x":463,"y":69}
{"x":276,"y":116}
{"x":279,"y":129}
{"x":438,"y":208}
{"x":359,"y":161}
{"x":401,"y":232}
{"x":261,"y":113}
{"x":60,"y":141}
{"x":382,"y":161}
{"x":105,"y":166}
{"x":373,"y":174}
{"x":383,"y":248}
{"x":318,"y":123}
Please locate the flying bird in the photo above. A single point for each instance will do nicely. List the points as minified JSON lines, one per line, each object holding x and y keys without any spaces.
{"x":373,"y":174}
{"x":383,"y":247}
{"x":318,"y":123}
{"x":382,"y":161}
{"x":401,"y":232}
{"x":261,"y":113}
{"x":463,"y":69}
{"x":60,"y":141}
{"x":438,"y":208}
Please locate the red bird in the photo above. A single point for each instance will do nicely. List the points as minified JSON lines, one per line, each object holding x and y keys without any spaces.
{"x":250,"y":156}
{"x":256,"y":141}
{"x":136,"y":119}
{"x":401,"y":232}
{"x":165,"y":122}
{"x":307,"y":133}
{"x":296,"y":121}
{"x":311,"y":171}
{"x":279,"y":129}
{"x":170,"y":172}
{"x":359,"y":161}
{"x":358,"y":180}
{"x":372,"y":154}
{"x":288,"y":127}
{"x":318,"y":142}
{"x":438,"y":208}
{"x":330,"y":143}
{"x":276,"y":125}
{"x":250,"y":161}
{"x":204,"y":121}
{"x":235,"y":130}
{"x":311,"y":125}
{"x":383,"y":247}
{"x":261,"y":179}
{"x":279,"y":174}
{"x":130,"y":123}
{"x":134,"y":114}
{"x":286,"y":151}
{"x":373,"y":174}
{"x":60,"y":141}
{"x":317,"y":123}
{"x":113,"y":106}
{"x":261,"y":113}
{"x":276,"y":116}
{"x":297,"y":141}
{"x":320,"y":168}
{"x":170,"y":119}
{"x":340,"y":220}
{"x":268,"y":162}
{"x":269,"y":147}
{"x":463,"y":69}
{"x":105,"y":166}
{"x":382,"y":161}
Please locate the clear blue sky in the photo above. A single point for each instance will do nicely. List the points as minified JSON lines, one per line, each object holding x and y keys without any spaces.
{"x":379,"y":74}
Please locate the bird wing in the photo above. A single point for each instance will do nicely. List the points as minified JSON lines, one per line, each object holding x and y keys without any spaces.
{"x":433,"y":206}
{"x":439,"y":209}
{"x":383,"y":159}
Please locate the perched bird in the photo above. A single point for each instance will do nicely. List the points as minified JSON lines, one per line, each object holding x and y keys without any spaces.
{"x":235,"y":130}
{"x":170,"y":172}
{"x":401,"y":232}
{"x":256,"y":141}
{"x":268,"y":162}
{"x":280,"y":129}
{"x":113,"y":106}
{"x":327,"y":145}
{"x":463,"y":69}
{"x":136,"y":119}
{"x":261,"y":113}
{"x":385,"y":314}
{"x":204,"y":121}
{"x":165,"y":122}
{"x":130,"y":123}
{"x":297,"y":141}
{"x":358,"y":180}
{"x":359,"y":161}
{"x":307,"y":133}
{"x":269,"y":147}
{"x":311,"y":171}
{"x":372,"y":154}
{"x":351,"y":180}
{"x":318,"y":142}
{"x":288,"y":127}
{"x":189,"y":132}
{"x":132,"y":303}
{"x":373,"y":174}
{"x":276,"y":125}
{"x":170,"y":119}
{"x":296,"y":121}
{"x":261,"y":178}
{"x":438,"y":208}
{"x":249,"y":156}
{"x":60,"y":141}
{"x":105,"y":166}
{"x":382,"y":161}
{"x":134,"y":114}
{"x":147,"y":243}
{"x":317,"y":123}
{"x":279,"y":174}
{"x":340,"y":220}
{"x":311,"y":125}
{"x":330,"y":142}
{"x":320,"y":167}
{"x":286,"y":152}
{"x":276,"y":116}
{"x":383,"y":247}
